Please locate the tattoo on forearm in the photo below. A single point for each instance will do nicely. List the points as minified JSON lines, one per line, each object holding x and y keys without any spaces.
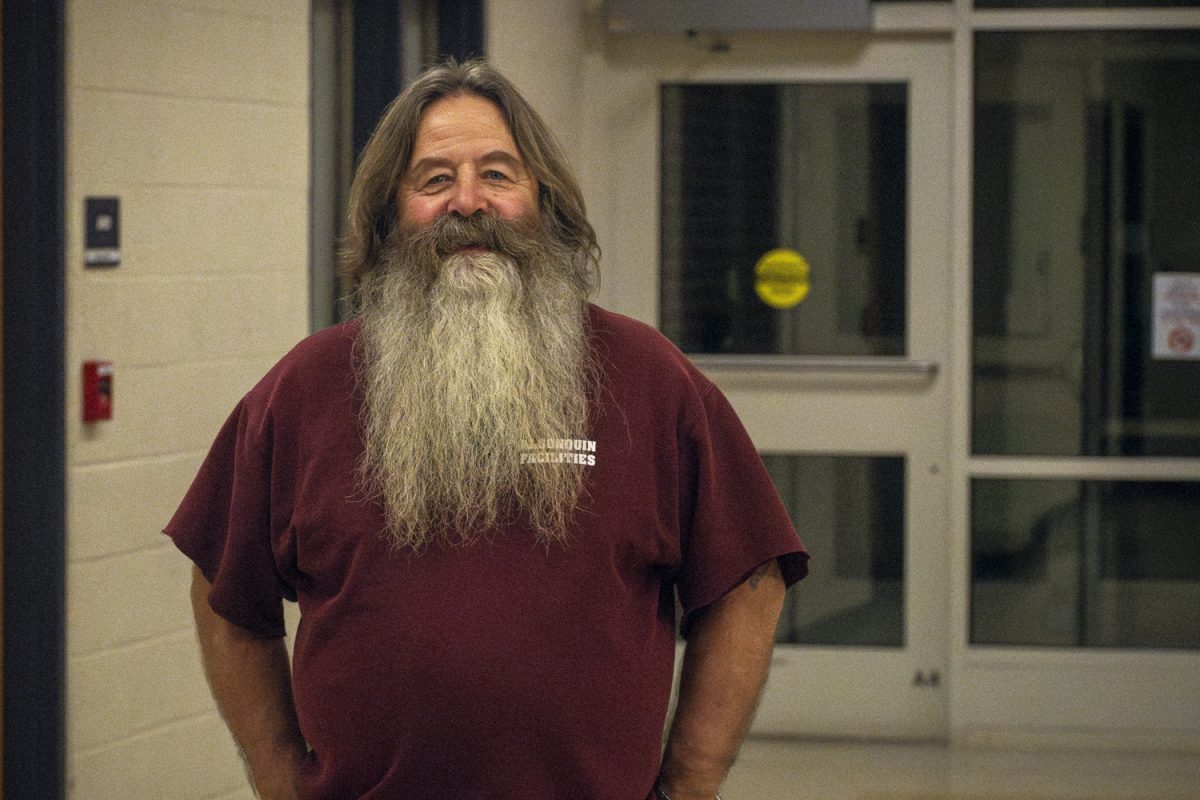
{"x":756,"y":577}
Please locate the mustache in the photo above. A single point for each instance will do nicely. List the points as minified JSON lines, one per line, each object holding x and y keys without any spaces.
{"x":450,"y":233}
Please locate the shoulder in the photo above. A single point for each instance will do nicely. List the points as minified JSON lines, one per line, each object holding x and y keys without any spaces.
{"x":326,"y":348}
{"x":635,"y":349}
{"x":320,"y":364}
{"x":646,"y":376}
{"x":611,"y":326}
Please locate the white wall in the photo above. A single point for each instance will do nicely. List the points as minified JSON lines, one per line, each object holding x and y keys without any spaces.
{"x":194,"y":113}
{"x":556,"y":53}
{"x":537,"y":44}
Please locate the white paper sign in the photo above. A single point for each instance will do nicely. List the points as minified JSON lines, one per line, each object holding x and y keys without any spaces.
{"x":1177,"y":315}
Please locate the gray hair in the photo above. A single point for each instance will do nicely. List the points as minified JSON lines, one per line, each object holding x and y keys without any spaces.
{"x":385,"y":159}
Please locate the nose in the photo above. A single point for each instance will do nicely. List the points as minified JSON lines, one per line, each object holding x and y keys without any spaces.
{"x":467,"y":197}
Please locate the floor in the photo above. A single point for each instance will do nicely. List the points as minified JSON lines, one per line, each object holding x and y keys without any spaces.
{"x":769,"y":769}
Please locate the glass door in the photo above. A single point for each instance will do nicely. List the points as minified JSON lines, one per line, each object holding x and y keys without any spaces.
{"x":793,"y":193}
{"x":1084,"y":493}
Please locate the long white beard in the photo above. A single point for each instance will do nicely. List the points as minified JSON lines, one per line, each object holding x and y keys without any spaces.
{"x":461,"y":371}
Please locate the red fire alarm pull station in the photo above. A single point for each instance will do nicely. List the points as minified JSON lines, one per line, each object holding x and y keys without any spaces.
{"x":97,"y":390}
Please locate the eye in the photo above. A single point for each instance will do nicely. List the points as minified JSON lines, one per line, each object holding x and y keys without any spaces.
{"x":494,"y":175}
{"x":437,"y":179}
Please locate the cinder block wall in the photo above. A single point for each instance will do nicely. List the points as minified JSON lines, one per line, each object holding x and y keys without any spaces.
{"x":550,"y":73}
{"x":195,"y":114}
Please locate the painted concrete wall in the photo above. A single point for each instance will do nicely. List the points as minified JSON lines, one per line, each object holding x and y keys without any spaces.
{"x":561,"y":58}
{"x":194,"y":113}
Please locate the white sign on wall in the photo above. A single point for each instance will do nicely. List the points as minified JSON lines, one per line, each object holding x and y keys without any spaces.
{"x":1177,"y":315}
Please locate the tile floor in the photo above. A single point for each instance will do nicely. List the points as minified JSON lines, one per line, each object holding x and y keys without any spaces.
{"x":776,"y":769}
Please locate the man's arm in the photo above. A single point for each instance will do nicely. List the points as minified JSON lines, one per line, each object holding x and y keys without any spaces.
{"x":251,"y":681}
{"x":724,"y":668}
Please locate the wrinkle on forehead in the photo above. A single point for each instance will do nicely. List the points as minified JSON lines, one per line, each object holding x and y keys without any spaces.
{"x":459,"y":120}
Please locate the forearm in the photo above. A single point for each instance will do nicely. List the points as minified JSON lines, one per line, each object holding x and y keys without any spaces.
{"x":250,"y":678}
{"x":725,"y":665}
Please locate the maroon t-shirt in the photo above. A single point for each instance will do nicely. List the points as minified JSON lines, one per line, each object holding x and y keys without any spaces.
{"x":501,"y":670}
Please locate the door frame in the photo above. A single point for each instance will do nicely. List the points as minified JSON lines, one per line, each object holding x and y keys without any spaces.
{"x":622,"y":117}
{"x":619,"y":94}
{"x":1030,"y":697}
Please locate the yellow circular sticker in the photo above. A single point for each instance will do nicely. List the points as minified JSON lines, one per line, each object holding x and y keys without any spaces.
{"x":781,"y":278}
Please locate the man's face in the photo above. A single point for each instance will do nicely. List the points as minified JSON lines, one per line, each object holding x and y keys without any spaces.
{"x":464,"y":162}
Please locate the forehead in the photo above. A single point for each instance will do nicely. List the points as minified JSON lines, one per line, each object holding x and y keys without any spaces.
{"x":459,"y":125}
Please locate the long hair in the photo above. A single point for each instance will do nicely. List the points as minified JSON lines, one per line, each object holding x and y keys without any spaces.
{"x":373,"y":213}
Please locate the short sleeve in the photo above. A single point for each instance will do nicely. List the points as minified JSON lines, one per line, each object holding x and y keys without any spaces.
{"x":224,"y":526}
{"x":736,"y":520}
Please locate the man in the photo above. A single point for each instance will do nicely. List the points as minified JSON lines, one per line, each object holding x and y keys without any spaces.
{"x":484,"y":494}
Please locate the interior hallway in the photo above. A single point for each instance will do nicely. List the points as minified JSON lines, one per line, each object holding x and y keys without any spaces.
{"x":777,"y":769}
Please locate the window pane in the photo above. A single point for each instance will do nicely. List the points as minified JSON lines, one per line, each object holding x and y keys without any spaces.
{"x":851,"y":510}
{"x":818,"y":171}
{"x":1085,"y":563}
{"x":1087,"y":181}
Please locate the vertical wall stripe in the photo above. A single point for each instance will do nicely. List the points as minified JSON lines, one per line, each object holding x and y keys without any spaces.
{"x":34,"y":423}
